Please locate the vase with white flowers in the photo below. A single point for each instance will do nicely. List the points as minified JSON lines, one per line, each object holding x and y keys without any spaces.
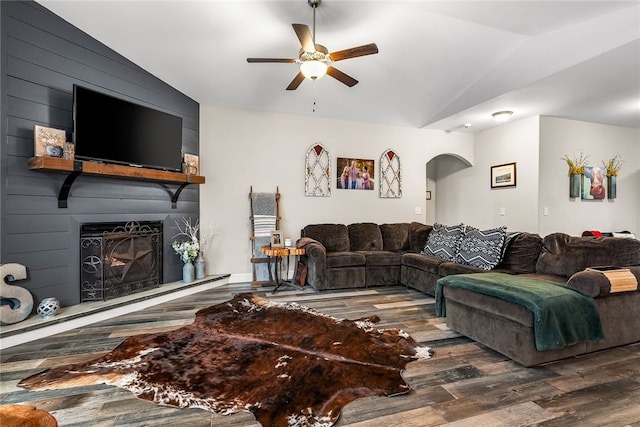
{"x":187,"y":249}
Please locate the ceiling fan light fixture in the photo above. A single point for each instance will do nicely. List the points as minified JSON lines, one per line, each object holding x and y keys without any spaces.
{"x":502,"y":116}
{"x":313,"y":69}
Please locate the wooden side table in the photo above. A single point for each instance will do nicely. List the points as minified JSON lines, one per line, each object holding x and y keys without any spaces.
{"x":278,"y":253}
{"x":25,"y":415}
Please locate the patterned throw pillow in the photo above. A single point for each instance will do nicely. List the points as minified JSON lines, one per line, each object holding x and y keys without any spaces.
{"x":482,"y":248}
{"x":443,"y":242}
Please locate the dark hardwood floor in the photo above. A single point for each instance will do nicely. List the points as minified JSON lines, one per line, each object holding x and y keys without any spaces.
{"x":464,"y":384}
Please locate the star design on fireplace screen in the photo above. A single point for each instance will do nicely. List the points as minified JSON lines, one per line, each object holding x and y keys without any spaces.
{"x":129,"y":258}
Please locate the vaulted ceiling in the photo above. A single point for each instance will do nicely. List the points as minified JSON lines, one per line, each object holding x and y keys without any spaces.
{"x":441,"y":64}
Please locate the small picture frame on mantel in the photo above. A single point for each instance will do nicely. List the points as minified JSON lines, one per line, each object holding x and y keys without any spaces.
{"x":191,"y":164}
{"x":48,"y":142}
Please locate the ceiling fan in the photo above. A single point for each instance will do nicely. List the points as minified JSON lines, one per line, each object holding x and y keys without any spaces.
{"x":315,"y":59}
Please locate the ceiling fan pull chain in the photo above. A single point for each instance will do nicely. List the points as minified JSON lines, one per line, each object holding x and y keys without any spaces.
{"x":314,"y":96}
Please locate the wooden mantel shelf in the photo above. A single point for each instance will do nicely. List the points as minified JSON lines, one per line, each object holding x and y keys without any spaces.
{"x":78,"y":167}
{"x":94,"y":168}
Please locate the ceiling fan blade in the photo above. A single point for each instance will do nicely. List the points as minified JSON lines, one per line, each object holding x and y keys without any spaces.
{"x":342,"y":77}
{"x":288,"y":61}
{"x":296,"y":81}
{"x":304,"y":35}
{"x":367,"y":49}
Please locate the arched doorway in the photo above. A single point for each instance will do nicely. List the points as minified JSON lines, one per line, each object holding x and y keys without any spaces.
{"x":438,"y":168}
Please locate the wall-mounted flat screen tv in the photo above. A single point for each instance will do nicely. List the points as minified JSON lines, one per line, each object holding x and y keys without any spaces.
{"x":110,"y":129}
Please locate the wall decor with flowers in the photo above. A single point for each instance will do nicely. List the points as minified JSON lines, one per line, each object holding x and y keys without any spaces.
{"x":612,"y":166}
{"x":577,"y":167}
{"x":588,"y":182}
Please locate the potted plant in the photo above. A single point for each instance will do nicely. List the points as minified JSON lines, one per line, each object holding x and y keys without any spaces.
{"x":187,"y":249}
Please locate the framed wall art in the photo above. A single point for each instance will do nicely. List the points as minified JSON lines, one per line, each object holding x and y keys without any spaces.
{"x":317,"y":176}
{"x":355,"y":174}
{"x":390,"y":175}
{"x":593,"y":183}
{"x":503,"y":175}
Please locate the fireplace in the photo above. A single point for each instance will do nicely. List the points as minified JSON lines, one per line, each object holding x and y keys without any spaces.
{"x":118,"y":259}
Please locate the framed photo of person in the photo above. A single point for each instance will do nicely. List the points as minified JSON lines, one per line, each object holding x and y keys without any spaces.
{"x":277,"y":239}
{"x":355,"y":174}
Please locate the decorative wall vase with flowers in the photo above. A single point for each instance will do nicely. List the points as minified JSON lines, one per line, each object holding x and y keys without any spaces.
{"x":575,"y":181}
{"x":613,"y":166}
{"x":612,"y":186}
{"x":576,"y":170}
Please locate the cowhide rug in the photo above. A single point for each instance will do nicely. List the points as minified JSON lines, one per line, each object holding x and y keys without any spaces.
{"x":287,"y":364}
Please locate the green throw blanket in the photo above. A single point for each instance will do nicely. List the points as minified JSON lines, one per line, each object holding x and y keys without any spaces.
{"x":563,"y":316}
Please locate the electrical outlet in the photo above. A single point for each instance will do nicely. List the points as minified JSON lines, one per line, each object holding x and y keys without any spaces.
{"x":417,"y":210}
{"x":545,"y":211}
{"x":503,"y":211}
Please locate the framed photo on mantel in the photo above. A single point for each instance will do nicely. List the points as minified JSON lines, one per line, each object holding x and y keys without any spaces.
{"x":503,"y":175}
{"x":48,"y":141}
{"x":191,"y":164}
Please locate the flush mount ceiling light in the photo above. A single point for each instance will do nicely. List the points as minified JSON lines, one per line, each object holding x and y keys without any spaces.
{"x":502,"y":116}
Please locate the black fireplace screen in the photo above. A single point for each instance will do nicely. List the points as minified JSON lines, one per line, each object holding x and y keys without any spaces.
{"x":119,"y":259}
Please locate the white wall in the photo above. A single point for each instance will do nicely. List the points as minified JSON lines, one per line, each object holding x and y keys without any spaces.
{"x":601,"y":142}
{"x":538,"y":145}
{"x":464,"y":194}
{"x":240,"y":149}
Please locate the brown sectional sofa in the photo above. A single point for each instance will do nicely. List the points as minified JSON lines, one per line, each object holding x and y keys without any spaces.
{"x":358,"y":255}
{"x":509,"y":328}
{"x":366,"y":254}
{"x":422,"y":272}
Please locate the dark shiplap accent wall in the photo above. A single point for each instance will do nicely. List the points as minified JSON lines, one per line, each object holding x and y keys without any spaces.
{"x":42,"y":57}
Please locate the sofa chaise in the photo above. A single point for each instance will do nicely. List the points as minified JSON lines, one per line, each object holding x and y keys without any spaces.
{"x":509,"y":328}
